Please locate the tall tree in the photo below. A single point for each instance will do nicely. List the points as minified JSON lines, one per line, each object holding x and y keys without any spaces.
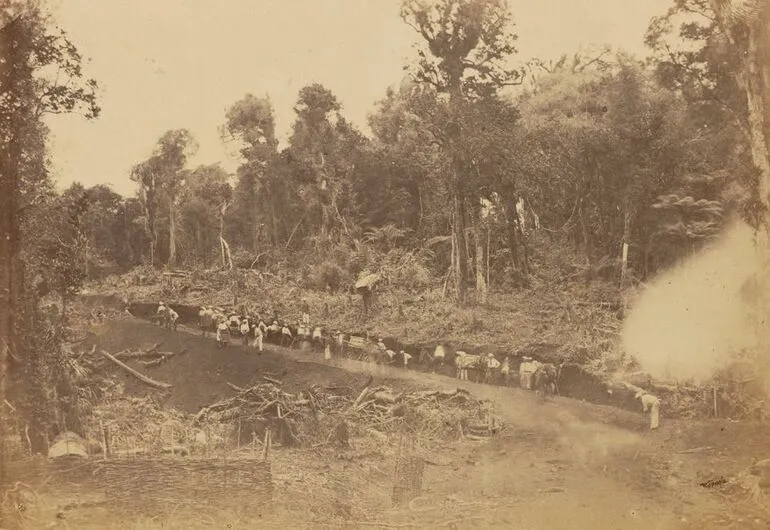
{"x":206,"y":191}
{"x":322,"y":147}
{"x":400,"y":181}
{"x":160,"y":179}
{"x":599,"y":148}
{"x":470,"y":43}
{"x":251,"y":123}
{"x":724,"y":70}
{"x":100,"y":237}
{"x":29,"y":49}
{"x":746,"y":25}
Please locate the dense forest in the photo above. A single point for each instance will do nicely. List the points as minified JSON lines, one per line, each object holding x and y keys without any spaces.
{"x":481,"y":173}
{"x":627,"y":166}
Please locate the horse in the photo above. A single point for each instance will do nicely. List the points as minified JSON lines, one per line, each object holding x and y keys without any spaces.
{"x":545,"y":379}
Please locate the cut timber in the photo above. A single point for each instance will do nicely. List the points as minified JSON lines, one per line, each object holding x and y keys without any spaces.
{"x":271,"y":380}
{"x":363,"y":393}
{"x":385,"y":396}
{"x":236,"y":387}
{"x":155,"y":362}
{"x":143,"y":378}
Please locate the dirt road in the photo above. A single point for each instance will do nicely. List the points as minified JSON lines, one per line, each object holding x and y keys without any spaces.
{"x":559,"y":463}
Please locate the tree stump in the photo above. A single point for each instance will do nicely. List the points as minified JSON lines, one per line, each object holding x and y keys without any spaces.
{"x":342,"y":435}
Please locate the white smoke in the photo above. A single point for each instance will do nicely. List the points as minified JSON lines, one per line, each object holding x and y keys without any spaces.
{"x":687,"y":323}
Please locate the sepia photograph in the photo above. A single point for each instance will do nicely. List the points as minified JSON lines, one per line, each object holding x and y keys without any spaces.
{"x":385,"y":264}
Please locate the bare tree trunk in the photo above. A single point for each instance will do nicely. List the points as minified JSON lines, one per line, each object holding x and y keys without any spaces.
{"x":624,"y":247}
{"x":149,"y":197}
{"x":273,"y":219}
{"x":481,"y":284}
{"x":456,"y":101}
{"x":255,"y":223}
{"x":452,"y":258}
{"x":10,"y":266}
{"x":227,"y":260}
{"x":461,"y":257}
{"x":746,"y":25}
{"x":513,"y":238}
{"x":422,"y":213}
{"x":171,"y":233}
{"x":489,"y":251}
{"x":9,"y":253}
{"x":524,"y":250}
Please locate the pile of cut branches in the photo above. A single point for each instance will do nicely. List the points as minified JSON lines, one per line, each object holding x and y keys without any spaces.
{"x":319,"y":414}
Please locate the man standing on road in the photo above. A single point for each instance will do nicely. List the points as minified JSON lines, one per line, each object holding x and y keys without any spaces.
{"x":405,"y":357}
{"x":439,"y":357}
{"x":221,"y":330}
{"x":245,"y":328}
{"x":652,"y":404}
{"x":339,"y":342}
{"x":505,"y":371}
{"x":527,"y":370}
{"x":161,"y":314}
{"x":173,"y":316}
{"x":286,"y":337}
{"x":203,"y":319}
{"x":318,"y":338}
{"x":258,"y":337}
{"x":491,"y":364}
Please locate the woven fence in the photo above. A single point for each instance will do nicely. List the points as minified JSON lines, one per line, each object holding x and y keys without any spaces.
{"x":155,"y":485}
{"x":151,"y":485}
{"x":408,"y":473}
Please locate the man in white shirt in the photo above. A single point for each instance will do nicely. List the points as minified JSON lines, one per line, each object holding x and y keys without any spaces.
{"x":526,"y":371}
{"x":405,"y":357}
{"x":491,"y":364}
{"x":245,"y":328}
{"x":173,"y":316}
{"x":204,"y":319}
{"x":652,"y":404}
{"x":439,"y":357}
{"x":505,"y":371}
{"x":162,"y":314}
{"x":389,"y":356}
{"x":221,"y":332}
{"x":258,"y":337}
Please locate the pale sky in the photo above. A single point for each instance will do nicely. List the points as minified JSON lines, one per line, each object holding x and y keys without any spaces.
{"x":166,"y":64}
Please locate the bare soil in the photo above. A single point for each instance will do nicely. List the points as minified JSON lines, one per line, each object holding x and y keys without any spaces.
{"x":560,"y":463}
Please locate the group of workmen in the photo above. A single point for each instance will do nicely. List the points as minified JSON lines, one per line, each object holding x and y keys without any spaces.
{"x":251,"y":328}
{"x":254,"y":329}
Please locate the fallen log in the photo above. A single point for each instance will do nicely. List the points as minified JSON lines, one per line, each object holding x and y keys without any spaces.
{"x":154,"y":362}
{"x":236,"y":387}
{"x":271,"y":380}
{"x":154,"y":347}
{"x":143,"y":378}
{"x":385,"y":396}
{"x":363,"y":393}
{"x":152,"y":352}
